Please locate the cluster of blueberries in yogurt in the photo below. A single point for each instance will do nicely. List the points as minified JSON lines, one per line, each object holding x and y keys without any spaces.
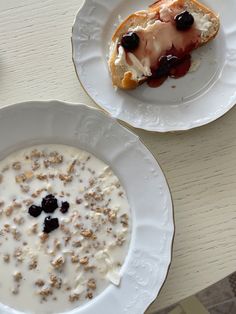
{"x":49,"y":205}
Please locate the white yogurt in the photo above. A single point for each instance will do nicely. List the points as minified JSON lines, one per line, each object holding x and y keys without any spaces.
{"x":59,"y":271}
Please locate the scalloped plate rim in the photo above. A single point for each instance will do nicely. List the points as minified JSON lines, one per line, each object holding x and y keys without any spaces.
{"x":161,"y":129}
{"x":58,"y":105}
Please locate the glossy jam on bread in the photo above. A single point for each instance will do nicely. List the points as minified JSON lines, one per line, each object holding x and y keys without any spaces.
{"x":170,"y":66}
{"x":163,"y":46}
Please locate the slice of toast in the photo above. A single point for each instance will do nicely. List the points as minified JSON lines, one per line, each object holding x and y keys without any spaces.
{"x":158,"y":36}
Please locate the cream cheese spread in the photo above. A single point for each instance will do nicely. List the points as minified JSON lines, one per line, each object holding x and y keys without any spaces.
{"x":158,"y":37}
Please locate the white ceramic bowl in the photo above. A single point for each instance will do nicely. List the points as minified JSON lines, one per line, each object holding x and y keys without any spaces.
{"x":149,"y":256}
{"x":197,"y":99}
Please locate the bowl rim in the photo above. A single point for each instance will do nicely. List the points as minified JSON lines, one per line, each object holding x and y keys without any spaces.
{"x":52,"y":107}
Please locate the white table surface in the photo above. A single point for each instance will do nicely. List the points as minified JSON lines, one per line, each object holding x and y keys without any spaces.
{"x":200,"y":165}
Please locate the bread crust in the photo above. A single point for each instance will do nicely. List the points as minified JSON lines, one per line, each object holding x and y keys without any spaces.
{"x":140,"y":18}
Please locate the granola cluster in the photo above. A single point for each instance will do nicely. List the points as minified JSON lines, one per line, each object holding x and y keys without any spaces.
{"x":65,"y":225}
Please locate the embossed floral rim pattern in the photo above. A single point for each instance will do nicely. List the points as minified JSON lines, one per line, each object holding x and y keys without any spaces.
{"x":149,"y":256}
{"x":213,"y":99}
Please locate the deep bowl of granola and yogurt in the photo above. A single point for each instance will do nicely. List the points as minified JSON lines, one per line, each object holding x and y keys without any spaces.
{"x":86,"y":222}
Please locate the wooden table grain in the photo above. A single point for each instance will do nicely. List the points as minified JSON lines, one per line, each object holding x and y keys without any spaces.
{"x":200,"y":165}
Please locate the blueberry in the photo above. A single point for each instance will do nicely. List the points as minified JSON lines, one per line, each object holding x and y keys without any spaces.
{"x":184,"y":21}
{"x":50,"y":224}
{"x":130,"y":41}
{"x":49,"y":204}
{"x":35,"y":211}
{"x":64,"y":207}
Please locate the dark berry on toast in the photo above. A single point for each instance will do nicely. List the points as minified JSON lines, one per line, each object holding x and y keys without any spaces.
{"x":165,"y":64}
{"x":130,"y":41}
{"x":184,"y":21}
{"x":169,"y":66}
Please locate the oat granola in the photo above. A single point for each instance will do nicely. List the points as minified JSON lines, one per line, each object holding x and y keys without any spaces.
{"x":65,"y":228}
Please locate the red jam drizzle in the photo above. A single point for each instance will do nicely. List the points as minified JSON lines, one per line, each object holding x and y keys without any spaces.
{"x":182,"y":68}
{"x":176,"y":71}
{"x":156,"y":82}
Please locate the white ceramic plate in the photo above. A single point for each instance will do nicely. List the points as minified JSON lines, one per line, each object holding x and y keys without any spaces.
{"x":199,"y":97}
{"x":149,"y":255}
